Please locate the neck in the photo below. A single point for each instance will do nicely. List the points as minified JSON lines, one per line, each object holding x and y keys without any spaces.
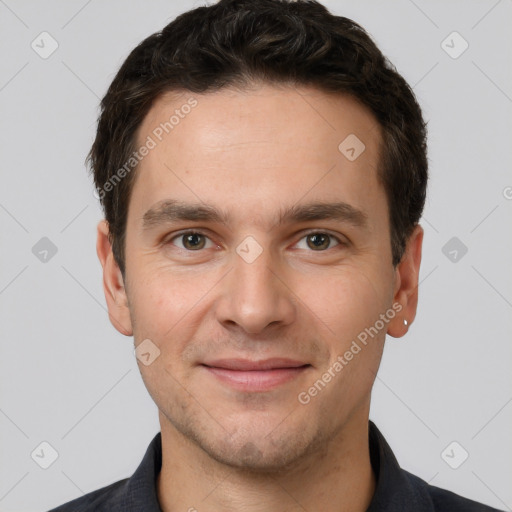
{"x":337,"y":478}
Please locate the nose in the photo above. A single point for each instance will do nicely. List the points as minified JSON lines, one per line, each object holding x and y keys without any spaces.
{"x":255,"y":295}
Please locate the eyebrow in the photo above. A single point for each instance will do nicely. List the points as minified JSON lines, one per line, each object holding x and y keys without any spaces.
{"x":173,"y":210}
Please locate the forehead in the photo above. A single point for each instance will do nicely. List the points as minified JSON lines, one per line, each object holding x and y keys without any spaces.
{"x":261,"y":113}
{"x":258,"y":145}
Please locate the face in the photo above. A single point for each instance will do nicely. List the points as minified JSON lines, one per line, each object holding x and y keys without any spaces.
{"x":259,"y":267}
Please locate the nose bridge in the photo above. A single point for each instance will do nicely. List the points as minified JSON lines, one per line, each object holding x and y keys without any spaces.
{"x":253,"y":294}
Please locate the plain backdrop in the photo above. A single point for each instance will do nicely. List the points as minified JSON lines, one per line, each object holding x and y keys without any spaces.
{"x":70,"y":380}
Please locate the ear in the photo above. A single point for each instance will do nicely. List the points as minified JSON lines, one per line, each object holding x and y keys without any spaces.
{"x":113,"y":283}
{"x":406,"y":284}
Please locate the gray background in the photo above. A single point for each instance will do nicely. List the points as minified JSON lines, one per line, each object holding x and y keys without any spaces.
{"x":68,"y":378}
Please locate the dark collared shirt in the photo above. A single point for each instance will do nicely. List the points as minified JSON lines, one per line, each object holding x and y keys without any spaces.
{"x":397,"y":490}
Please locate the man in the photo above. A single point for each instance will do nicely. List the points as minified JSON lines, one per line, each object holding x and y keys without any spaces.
{"x":262,"y":168}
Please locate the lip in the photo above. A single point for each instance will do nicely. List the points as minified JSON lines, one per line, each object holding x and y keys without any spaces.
{"x":247,"y":375}
{"x":248,"y":365}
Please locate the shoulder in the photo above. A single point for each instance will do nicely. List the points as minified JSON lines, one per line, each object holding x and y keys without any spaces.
{"x":447,"y":501}
{"x":99,"y":500}
{"x":136,"y":493}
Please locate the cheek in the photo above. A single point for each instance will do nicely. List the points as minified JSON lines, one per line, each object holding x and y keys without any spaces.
{"x":344,"y":302}
{"x":157,"y":303}
{"x":166,"y":304}
{"x":163,"y":307}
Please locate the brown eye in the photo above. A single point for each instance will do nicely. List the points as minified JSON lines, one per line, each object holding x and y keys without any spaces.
{"x":191,"y":241}
{"x":319,"y":241}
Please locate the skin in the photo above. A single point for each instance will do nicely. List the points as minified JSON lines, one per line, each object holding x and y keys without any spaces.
{"x":252,"y":153}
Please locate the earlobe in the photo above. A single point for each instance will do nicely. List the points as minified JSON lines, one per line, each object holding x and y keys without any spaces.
{"x":113,"y":283}
{"x":406,"y":287}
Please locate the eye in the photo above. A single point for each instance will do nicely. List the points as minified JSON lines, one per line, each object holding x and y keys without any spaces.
{"x":319,"y":241}
{"x":192,"y":241}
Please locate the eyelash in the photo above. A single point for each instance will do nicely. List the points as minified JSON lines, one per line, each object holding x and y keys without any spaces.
{"x":199,"y":232}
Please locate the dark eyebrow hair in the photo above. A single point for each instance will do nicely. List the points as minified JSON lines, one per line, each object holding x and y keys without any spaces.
{"x":172,"y":210}
{"x":340,"y":211}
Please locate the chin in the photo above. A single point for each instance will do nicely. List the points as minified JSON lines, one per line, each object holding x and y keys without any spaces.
{"x":256,"y":452}
{"x":258,"y":441}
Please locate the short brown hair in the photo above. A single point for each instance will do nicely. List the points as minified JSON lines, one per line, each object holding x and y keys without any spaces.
{"x":236,"y":42}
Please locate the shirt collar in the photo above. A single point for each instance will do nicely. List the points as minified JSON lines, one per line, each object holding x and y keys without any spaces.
{"x":395,"y":489}
{"x":140,"y":494}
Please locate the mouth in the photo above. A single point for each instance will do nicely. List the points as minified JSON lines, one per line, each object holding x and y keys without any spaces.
{"x":247,"y":375}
